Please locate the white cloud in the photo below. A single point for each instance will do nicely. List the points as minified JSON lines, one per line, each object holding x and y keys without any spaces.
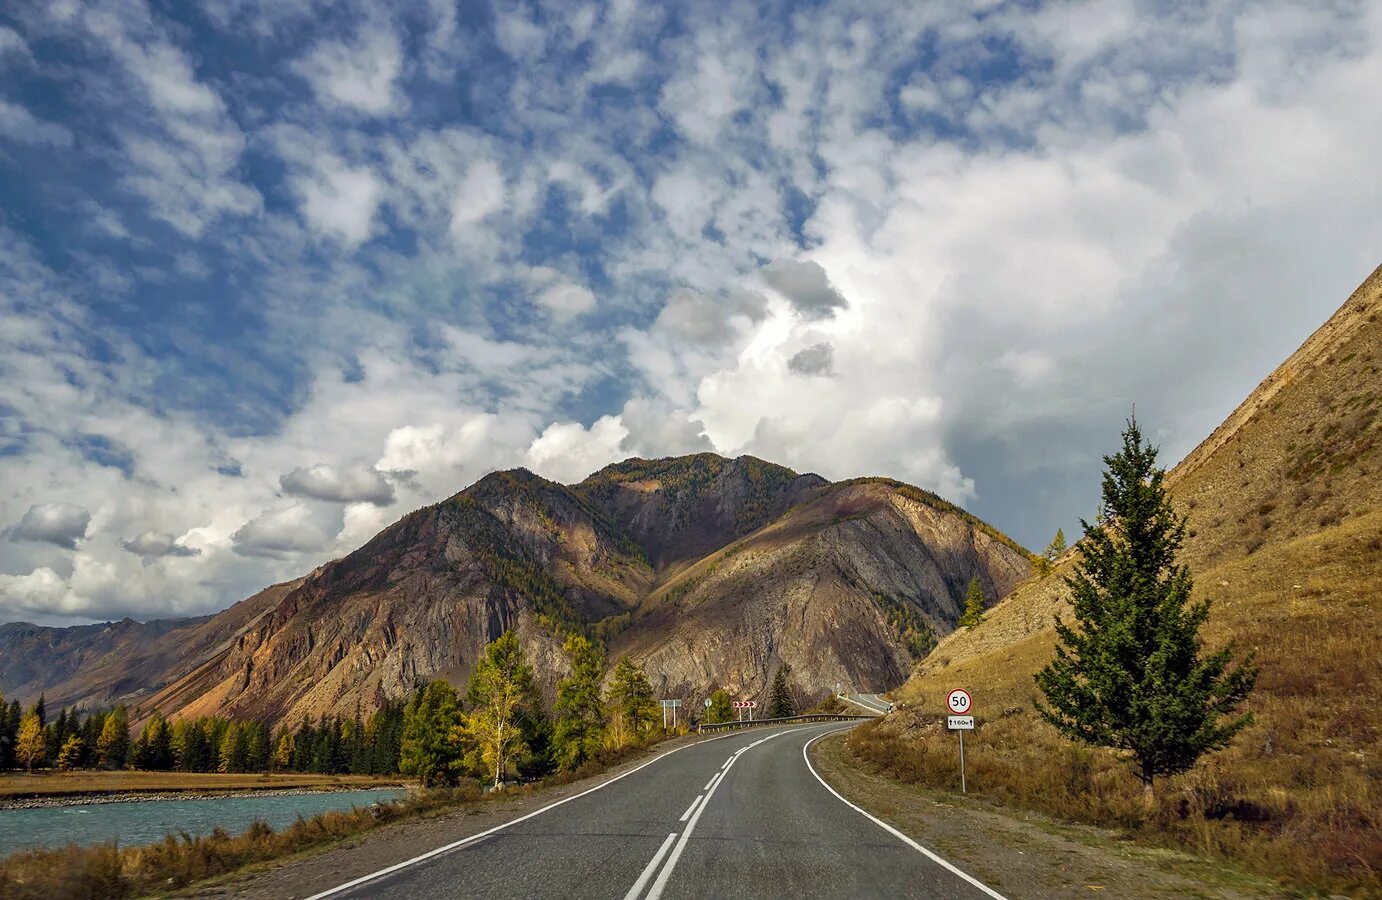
{"x":60,"y":524}
{"x":346,"y":484}
{"x":152,"y":545}
{"x":18,"y":124}
{"x":568,"y":451}
{"x":340,"y":200}
{"x":279,"y":532}
{"x":359,"y":75}
{"x":567,"y":300}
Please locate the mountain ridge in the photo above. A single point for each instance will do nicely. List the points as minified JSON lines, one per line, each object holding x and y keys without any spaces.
{"x":606,"y":556}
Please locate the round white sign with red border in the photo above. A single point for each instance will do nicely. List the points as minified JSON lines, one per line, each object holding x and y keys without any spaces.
{"x":958,"y":702}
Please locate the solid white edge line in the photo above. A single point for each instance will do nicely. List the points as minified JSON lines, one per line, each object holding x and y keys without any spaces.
{"x":389,"y":870}
{"x":651,"y":867}
{"x":893,"y":831}
{"x":686,"y":815}
{"x":661,"y":883}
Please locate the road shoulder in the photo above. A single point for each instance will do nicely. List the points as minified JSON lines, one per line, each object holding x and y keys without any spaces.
{"x":1023,"y":855}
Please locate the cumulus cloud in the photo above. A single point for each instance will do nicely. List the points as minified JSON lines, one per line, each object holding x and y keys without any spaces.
{"x":396,"y":254}
{"x":568,"y":451}
{"x":805,"y":285}
{"x":60,"y":524}
{"x":152,"y":545}
{"x":347,"y":484}
{"x":280,"y":532}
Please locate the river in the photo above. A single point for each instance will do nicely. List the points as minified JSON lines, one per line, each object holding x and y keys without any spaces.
{"x":147,"y":821}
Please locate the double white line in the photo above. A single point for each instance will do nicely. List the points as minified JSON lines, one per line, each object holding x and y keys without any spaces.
{"x":693,"y":812}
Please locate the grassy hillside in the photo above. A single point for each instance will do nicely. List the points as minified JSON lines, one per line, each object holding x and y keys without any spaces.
{"x":1285,"y":507}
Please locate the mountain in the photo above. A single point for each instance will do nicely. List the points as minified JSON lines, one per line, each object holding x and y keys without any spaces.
{"x":1284,"y":502}
{"x":710,"y":571}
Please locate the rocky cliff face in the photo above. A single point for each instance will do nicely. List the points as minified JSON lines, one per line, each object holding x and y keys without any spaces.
{"x":712,"y":572}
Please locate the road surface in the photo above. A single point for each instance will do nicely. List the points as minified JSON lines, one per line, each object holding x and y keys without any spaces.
{"x":874,"y":703}
{"x":740,"y":816}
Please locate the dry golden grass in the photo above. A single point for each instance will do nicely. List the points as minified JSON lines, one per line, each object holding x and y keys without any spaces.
{"x":55,"y":784}
{"x":1297,"y":795}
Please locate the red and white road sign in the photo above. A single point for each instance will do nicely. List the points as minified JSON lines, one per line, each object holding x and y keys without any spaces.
{"x":745,"y":704}
{"x":959,"y":702}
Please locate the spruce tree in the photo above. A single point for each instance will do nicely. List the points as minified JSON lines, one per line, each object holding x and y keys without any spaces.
{"x":631,"y":695}
{"x":1131,"y":676}
{"x":579,"y":709}
{"x":781,"y":704}
{"x":974,"y":605}
{"x":428,"y":749}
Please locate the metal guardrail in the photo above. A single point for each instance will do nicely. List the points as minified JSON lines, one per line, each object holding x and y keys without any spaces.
{"x":783,"y":720}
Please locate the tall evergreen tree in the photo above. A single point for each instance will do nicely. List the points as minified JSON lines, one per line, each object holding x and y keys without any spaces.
{"x":631,"y":695}
{"x":580,"y":711}
{"x":429,"y":750}
{"x":1132,"y":675}
{"x":781,"y":703}
{"x":9,"y":730}
{"x":974,"y":605}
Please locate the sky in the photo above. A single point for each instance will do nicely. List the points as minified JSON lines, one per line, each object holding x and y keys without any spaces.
{"x":274,"y":273}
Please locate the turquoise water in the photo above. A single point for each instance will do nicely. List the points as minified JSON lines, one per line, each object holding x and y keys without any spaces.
{"x":148,"y":821}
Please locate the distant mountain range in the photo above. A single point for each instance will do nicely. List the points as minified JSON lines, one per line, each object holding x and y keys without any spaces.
{"x":711,"y":572}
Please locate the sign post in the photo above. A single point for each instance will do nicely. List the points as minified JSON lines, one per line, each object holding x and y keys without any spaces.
{"x":673,"y":705}
{"x":959,"y":704}
{"x":741,"y":705}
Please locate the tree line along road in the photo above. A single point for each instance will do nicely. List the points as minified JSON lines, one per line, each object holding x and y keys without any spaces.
{"x":740,"y":816}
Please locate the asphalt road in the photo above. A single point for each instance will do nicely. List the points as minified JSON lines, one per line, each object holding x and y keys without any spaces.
{"x":740,"y":816}
{"x":870,"y":702}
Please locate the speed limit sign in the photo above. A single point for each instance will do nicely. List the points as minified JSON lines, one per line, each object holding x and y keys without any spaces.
{"x":959,"y":702}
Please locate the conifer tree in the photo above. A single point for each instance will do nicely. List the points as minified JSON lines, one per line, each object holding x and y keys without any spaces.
{"x":974,"y":605}
{"x":781,"y":703}
{"x":631,"y":695}
{"x":428,"y":748}
{"x":113,"y":746}
{"x":9,"y":729}
{"x":1131,"y":675}
{"x":500,"y":691}
{"x":32,"y":742}
{"x":70,"y":756}
{"x":580,"y":710}
{"x":1056,"y":547}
